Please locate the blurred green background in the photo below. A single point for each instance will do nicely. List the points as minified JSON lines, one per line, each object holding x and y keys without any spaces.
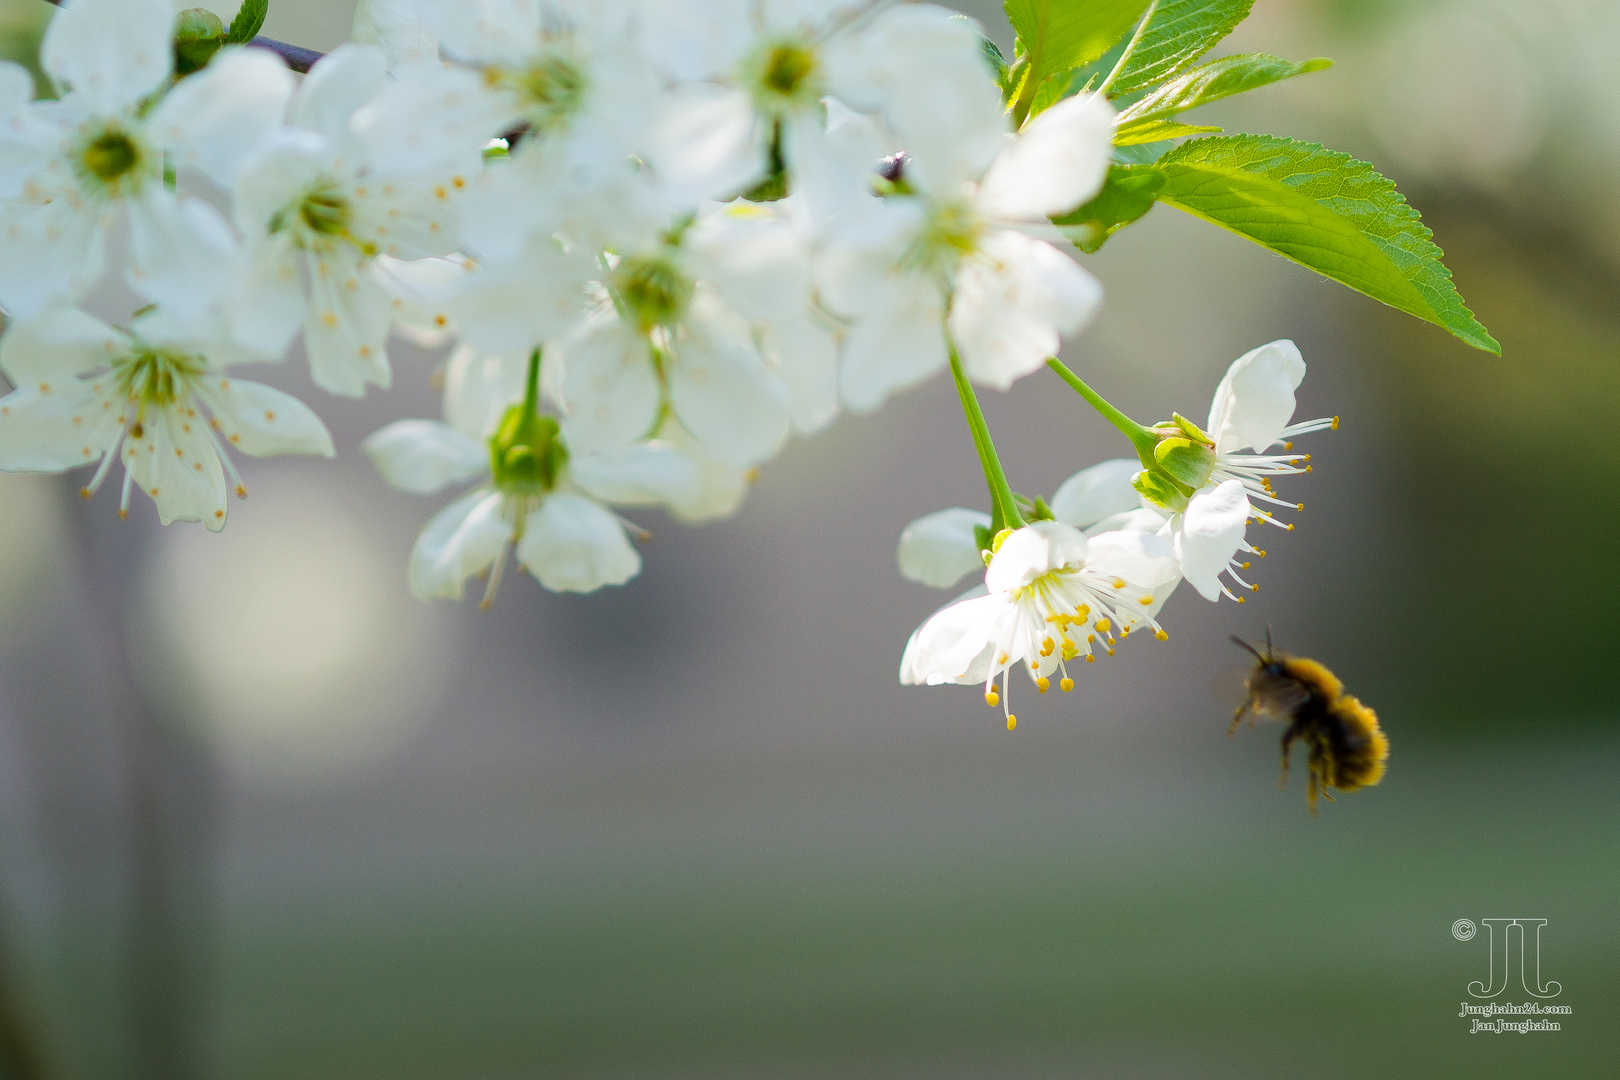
{"x":263,"y":816}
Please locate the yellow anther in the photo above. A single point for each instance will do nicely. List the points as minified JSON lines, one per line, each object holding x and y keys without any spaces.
{"x":1089,"y":658}
{"x":1240,"y":599}
{"x":1012,"y":721}
{"x":1110,"y":652}
{"x":1254,"y":588}
{"x":1070,"y":649}
{"x":1119,"y":583}
{"x":1042,"y":684}
{"x":1308,"y":468}
{"x":1301,"y":506}
{"x":1161,"y":635}
{"x":1067,"y":684}
{"x":1244,"y":565}
{"x":1083,"y":611}
{"x":1288,"y":446}
{"x":992,"y":699}
{"x":1290,"y":526}
{"x":1102,"y":626}
{"x":1260,"y":553}
{"x":1146,"y":601}
{"x":1034,"y":665}
{"x":1046,"y":646}
{"x":1002,"y":659}
{"x":1335,"y":423}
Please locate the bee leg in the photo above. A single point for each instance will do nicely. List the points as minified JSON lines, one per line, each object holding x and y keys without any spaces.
{"x":1237,"y":717}
{"x":1310,"y":796}
{"x":1287,"y":745}
{"x":1319,"y":775}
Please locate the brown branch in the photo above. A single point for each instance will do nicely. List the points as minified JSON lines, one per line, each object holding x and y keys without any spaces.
{"x":297,"y":57}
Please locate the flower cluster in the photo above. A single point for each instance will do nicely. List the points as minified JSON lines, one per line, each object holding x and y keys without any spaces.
{"x":666,"y":236}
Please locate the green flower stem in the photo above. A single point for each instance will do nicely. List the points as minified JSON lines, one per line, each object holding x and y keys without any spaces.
{"x":1141,"y":438}
{"x":1006,"y":514}
{"x":531,"y":388}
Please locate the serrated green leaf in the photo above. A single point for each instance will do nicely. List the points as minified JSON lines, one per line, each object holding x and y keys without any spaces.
{"x":1180,"y":32}
{"x":1215,"y":80}
{"x":1152,"y":131}
{"x":1059,"y":35}
{"x":1324,"y":210}
{"x":249,"y":20}
{"x":1127,"y":194}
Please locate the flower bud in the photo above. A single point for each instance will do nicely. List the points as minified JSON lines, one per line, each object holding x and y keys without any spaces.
{"x":198,"y":35}
{"x":1184,"y":452}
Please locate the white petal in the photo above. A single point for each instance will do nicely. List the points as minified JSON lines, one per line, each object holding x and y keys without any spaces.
{"x":47,"y":430}
{"x":114,"y":52}
{"x":690,"y":42}
{"x":609,"y":388}
{"x":573,"y":545}
{"x":49,"y":254}
{"x":1100,"y":491}
{"x":1055,"y":164}
{"x":212,"y":119}
{"x":1145,"y":560}
{"x":1032,"y":551}
{"x":1014,"y":302}
{"x":421,"y":289}
{"x":433,"y":122}
{"x":422,"y":456}
{"x":923,"y":68}
{"x":515,"y":305}
{"x":955,"y":644}
{"x":176,"y":464}
{"x":56,"y":345}
{"x":462,"y":539}
{"x":266,"y":305}
{"x":180,"y":250}
{"x":480,"y":387}
{"x":941,"y":549}
{"x":723,"y":394}
{"x":895,"y":345}
{"x":718,"y":490}
{"x":805,"y":356}
{"x":1255,"y":399}
{"x":339,"y":83}
{"x":1149,"y":519}
{"x":1209,"y":533}
{"x":346,"y":325}
{"x":394,"y":25}
{"x":636,"y":476}
{"x":709,"y":143}
{"x":262,"y":421}
{"x":277,"y":174}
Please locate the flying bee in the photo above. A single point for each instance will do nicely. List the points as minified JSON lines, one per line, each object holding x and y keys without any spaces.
{"x":1347,"y":748}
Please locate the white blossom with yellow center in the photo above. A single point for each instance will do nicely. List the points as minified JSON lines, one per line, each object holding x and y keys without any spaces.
{"x":1050,"y":595}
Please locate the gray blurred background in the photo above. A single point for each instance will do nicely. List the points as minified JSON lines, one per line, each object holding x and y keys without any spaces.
{"x":264,"y":816}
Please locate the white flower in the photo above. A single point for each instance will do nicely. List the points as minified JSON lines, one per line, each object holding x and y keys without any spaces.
{"x":537,"y":499}
{"x":754,"y":79}
{"x":1049,"y":594}
{"x":69,"y":168}
{"x":148,"y":403}
{"x":954,"y":237}
{"x":317,"y":215}
{"x":711,"y":323}
{"x":1250,"y":412}
{"x":566,"y":73}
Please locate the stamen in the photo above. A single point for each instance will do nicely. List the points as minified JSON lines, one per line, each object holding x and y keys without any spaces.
{"x":1042,"y":684}
{"x":494,"y":579}
{"x":1067,"y":684}
{"x":123,"y":499}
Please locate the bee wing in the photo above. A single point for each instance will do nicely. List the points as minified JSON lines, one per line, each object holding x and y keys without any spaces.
{"x":1231,"y":687}
{"x":1278,"y":698}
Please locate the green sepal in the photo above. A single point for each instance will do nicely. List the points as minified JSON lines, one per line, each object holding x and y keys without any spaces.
{"x":1188,"y":461}
{"x":198,"y":35}
{"x":248,"y":22}
{"x":982,"y":536}
{"x":526,"y":453}
{"x":1192,"y":430}
{"x":1128,"y":192}
{"x":1162,"y":490}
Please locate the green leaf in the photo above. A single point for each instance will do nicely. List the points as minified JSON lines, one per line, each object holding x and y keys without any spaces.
{"x":1127,"y":194}
{"x":1213,"y":81}
{"x":1324,"y":210}
{"x":1180,"y":32}
{"x":249,"y":19}
{"x":1152,"y":131}
{"x":1058,"y":35}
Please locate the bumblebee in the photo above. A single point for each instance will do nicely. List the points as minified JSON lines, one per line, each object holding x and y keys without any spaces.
{"x":1347,"y":748}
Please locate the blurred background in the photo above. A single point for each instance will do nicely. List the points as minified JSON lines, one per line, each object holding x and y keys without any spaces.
{"x":262,"y":815}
